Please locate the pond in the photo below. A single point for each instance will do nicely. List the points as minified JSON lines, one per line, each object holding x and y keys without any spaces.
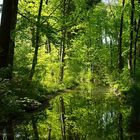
{"x":83,"y":114}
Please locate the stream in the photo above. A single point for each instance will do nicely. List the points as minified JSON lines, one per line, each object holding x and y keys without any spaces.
{"x":85,"y":114}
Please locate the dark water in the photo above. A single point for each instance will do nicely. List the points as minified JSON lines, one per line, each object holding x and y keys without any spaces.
{"x":94,"y":114}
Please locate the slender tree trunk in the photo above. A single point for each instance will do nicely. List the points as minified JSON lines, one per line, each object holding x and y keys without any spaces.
{"x":48,"y":46}
{"x":63,"y":129}
{"x":12,"y":39}
{"x":35,"y":130}
{"x":89,"y":46}
{"x":111,"y":55}
{"x":63,"y":41}
{"x":49,"y":133}
{"x":36,"y":42}
{"x":48,"y":43}
{"x":131,"y":37}
{"x":33,"y":37}
{"x":62,"y":55}
{"x":135,"y":43}
{"x":92,"y":72}
{"x":120,"y":126}
{"x":10,"y":130}
{"x":0,"y":9}
{"x":76,"y":136}
{"x":1,"y":132}
{"x":120,"y":59}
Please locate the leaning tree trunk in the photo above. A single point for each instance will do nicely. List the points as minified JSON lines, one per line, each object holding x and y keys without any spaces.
{"x":37,"y":38}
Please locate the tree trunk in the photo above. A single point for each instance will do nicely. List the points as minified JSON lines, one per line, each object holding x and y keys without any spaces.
{"x":131,"y":37}
{"x":48,"y":46}
{"x":63,"y":41}
{"x":49,"y":133}
{"x":9,"y":130}
{"x":5,"y":32}
{"x":63,"y":129}
{"x":120,"y":126}
{"x":111,"y":55}
{"x":120,"y":59}
{"x":76,"y":136}
{"x":62,"y":54}
{"x":35,"y":130}
{"x":37,"y":37}
{"x":8,"y":23}
{"x":1,"y":132}
{"x":12,"y":39}
{"x":33,"y":37}
{"x":135,"y":43}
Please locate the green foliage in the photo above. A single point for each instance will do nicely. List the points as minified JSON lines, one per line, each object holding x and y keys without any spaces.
{"x":90,"y":44}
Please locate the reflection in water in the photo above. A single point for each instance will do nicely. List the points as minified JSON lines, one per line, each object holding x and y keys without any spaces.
{"x":0,"y":13}
{"x":1,"y":2}
{"x":83,"y":115}
{"x":134,"y":118}
{"x":89,"y":116}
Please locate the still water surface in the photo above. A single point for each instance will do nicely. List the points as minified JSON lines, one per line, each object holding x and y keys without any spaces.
{"x":86,"y":114}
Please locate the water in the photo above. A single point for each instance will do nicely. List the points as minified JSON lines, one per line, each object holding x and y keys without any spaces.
{"x":83,"y":114}
{"x":1,"y":2}
{"x":96,"y":114}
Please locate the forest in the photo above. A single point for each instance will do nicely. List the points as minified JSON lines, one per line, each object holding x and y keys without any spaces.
{"x":69,"y":70}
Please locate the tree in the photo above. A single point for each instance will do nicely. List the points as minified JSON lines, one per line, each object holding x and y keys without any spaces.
{"x":135,"y":42}
{"x":8,"y":23}
{"x":131,"y":37}
{"x":37,"y":39}
{"x":120,"y":60}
